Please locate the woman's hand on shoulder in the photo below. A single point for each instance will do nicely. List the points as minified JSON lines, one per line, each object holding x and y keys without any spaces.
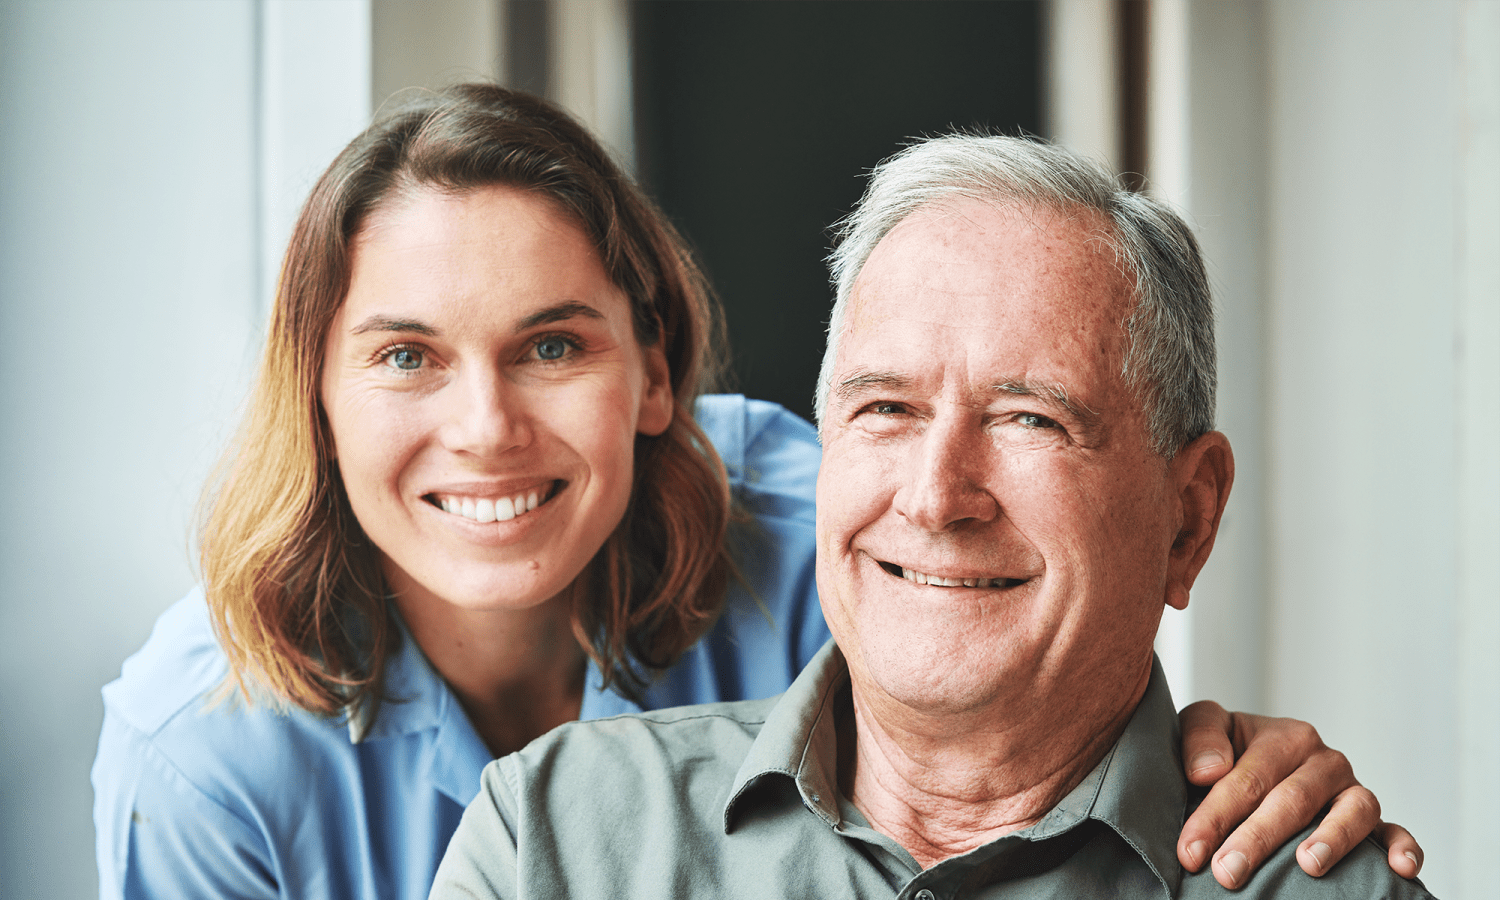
{"x":1282,"y":776}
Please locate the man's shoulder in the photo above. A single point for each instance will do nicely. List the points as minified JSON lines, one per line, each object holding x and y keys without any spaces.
{"x":651,"y":744}
{"x":1363,"y":873}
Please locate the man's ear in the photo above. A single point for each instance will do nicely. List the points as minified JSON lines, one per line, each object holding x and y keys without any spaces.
{"x":657,"y":402}
{"x":1202,"y":473}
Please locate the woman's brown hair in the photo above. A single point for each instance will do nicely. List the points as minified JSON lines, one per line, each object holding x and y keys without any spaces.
{"x":294,"y":586}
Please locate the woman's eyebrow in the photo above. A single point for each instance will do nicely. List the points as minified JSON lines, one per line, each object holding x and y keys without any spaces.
{"x":387,"y":323}
{"x":558,"y":313}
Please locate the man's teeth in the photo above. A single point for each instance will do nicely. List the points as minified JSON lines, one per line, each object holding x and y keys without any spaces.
{"x":923,"y":578}
{"x":486,"y":510}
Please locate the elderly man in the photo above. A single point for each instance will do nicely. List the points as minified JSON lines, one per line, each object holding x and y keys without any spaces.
{"x":1019,"y":473}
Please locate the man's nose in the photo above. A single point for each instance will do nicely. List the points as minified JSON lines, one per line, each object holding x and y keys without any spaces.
{"x":484,"y":415}
{"x":945,"y":483}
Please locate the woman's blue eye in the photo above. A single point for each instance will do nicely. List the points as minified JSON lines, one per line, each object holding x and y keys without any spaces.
{"x":551,"y":348}
{"x":406,"y":359}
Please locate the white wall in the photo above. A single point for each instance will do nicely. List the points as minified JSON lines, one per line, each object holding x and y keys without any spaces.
{"x":1371,"y":210}
{"x":1340,"y":164}
{"x":127,"y":168}
{"x":148,"y":152}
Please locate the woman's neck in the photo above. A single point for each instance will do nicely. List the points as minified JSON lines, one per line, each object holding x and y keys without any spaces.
{"x":517,"y":673}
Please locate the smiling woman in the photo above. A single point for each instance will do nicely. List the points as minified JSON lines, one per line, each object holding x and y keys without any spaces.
{"x":476,"y":494}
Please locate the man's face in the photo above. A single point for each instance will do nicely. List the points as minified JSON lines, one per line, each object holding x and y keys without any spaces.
{"x":993,"y":526}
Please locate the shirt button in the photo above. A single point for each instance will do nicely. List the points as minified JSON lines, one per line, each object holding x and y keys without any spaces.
{"x":925,"y":894}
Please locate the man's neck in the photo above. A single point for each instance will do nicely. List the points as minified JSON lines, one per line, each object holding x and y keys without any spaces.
{"x":940,"y":786}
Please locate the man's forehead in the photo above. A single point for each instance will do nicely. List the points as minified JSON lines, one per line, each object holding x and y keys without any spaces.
{"x":970,"y":263}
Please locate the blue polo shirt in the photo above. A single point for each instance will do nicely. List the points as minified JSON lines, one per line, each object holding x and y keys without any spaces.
{"x":202,"y":799}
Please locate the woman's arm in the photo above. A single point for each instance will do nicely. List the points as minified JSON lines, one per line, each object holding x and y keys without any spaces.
{"x":1284,"y":776}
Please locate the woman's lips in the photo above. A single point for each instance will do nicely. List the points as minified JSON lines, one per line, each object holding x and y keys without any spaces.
{"x":495,"y":508}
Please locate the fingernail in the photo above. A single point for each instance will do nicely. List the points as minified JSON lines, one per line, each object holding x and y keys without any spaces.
{"x":1197,"y":850}
{"x":1414,"y":861}
{"x":1320,"y":852}
{"x":1234,"y":866}
{"x":1205,"y":760}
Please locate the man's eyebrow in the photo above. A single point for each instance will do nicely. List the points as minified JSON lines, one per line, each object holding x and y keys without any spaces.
{"x":1054,"y":394}
{"x":855,"y":385}
{"x":388,"y":323}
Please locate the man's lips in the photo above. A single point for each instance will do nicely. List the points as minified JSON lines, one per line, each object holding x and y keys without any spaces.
{"x":502,"y":508}
{"x":912,"y":575}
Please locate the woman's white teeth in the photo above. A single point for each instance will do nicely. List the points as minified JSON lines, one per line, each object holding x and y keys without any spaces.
{"x":484,"y":509}
{"x":937,"y":581}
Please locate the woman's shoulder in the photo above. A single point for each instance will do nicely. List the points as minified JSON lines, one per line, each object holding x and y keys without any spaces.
{"x":173,"y":701}
{"x":771,"y":453}
{"x":179,"y":667}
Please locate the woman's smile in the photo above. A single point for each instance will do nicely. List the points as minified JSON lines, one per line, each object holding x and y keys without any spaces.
{"x":502,"y":508}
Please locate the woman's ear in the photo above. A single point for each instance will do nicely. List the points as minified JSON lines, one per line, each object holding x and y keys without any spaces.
{"x":1202,"y":473}
{"x":656,"y":399}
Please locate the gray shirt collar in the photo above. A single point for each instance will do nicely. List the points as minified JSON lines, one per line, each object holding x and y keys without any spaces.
{"x":1137,"y":789}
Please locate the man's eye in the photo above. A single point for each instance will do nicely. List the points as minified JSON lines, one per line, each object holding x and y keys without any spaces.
{"x":1032,"y":420}
{"x":887,"y":409}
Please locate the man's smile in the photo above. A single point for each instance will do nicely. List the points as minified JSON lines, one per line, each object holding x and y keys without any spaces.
{"x":999,"y":581}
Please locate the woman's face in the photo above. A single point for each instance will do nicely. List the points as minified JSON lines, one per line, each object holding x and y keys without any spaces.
{"x":484,"y":386}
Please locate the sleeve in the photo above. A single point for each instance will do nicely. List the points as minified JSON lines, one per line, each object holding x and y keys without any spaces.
{"x":482,"y":860}
{"x":157,"y":835}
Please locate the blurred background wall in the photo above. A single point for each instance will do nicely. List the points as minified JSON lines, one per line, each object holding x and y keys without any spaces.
{"x":1341,"y":161}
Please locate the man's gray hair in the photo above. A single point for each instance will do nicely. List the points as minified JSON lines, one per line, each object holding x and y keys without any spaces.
{"x":1169,"y":359}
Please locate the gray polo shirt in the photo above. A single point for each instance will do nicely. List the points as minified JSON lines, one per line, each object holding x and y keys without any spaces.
{"x":739,"y":800}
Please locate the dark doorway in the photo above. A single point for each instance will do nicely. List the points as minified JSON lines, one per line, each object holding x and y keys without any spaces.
{"x":756,"y":122}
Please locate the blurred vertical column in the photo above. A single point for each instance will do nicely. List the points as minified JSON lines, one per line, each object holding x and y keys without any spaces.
{"x":314,"y":95}
{"x":1478,"y":419}
{"x":590,"y":69}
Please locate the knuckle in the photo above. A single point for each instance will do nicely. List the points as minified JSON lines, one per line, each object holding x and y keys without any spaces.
{"x":1336,"y":764}
{"x":1354,"y":814}
{"x":1257,"y":838}
{"x":1295,"y":800}
{"x":1304,"y":738}
{"x":1247,"y":785}
{"x":1363,"y":804}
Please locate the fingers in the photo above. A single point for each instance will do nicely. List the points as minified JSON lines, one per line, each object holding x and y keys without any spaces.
{"x":1355,"y":813}
{"x":1276,"y":747}
{"x":1403,"y":853}
{"x":1284,"y":778}
{"x":1206,"y":745}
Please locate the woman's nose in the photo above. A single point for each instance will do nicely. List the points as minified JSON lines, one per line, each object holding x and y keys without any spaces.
{"x":485,"y":416}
